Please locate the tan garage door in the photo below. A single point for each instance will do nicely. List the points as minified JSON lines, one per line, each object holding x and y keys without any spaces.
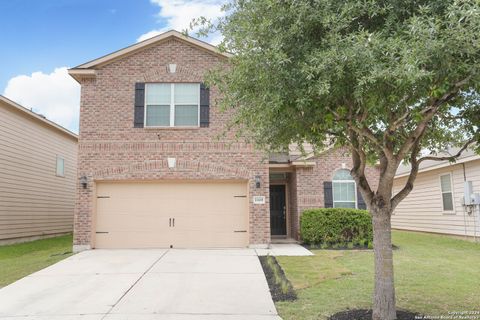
{"x":177,"y":214}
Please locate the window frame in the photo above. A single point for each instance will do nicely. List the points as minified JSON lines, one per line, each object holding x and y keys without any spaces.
{"x":344,"y":181}
{"x":63,"y":166}
{"x":447,"y":212}
{"x":172,"y":106}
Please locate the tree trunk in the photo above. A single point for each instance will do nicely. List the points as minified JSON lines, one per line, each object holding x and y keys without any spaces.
{"x":384,"y":295}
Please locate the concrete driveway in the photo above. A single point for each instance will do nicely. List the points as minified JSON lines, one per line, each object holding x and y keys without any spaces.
{"x":144,"y":284}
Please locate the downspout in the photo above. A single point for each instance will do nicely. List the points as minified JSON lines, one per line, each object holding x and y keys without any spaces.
{"x":464,"y":206}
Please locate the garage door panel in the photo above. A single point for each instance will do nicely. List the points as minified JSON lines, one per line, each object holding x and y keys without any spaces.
{"x":128,"y":222}
{"x":131,"y":240}
{"x":207,"y":214}
{"x":198,"y":239}
{"x":210,"y":222}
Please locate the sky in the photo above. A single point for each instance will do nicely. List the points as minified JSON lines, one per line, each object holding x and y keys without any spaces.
{"x":40,"y":40}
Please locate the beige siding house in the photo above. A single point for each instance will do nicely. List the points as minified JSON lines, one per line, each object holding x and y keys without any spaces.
{"x":435,"y":204}
{"x":38,"y":161}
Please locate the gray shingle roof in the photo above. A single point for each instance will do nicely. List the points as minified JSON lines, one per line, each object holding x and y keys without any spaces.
{"x":425,"y":165}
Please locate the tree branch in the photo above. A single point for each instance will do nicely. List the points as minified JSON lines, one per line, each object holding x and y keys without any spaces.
{"x":449,"y":158}
{"x":397,"y":123}
{"x":370,"y":136}
{"x":402,"y":194}
{"x":428,"y":114}
{"x":359,"y":160}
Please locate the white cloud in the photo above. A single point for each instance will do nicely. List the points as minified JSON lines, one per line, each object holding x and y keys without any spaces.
{"x":151,"y":34}
{"x":55,"y":95}
{"x":177,"y":14}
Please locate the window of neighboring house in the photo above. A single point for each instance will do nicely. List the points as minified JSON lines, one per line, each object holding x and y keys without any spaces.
{"x":344,"y":190}
{"x":60,"y":166}
{"x":172,"y":104}
{"x":447,"y":192}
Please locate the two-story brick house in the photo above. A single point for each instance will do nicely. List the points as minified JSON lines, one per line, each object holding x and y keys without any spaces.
{"x":157,"y":167}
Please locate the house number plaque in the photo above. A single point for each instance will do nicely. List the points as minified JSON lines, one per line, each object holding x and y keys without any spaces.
{"x":258,"y":199}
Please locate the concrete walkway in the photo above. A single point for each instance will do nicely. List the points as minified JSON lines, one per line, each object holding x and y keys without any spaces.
{"x":285,"y":249}
{"x":144,"y":284}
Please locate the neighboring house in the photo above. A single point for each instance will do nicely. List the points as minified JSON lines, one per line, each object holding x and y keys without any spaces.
{"x":38,"y":161}
{"x":435,"y":203}
{"x":155,"y":170}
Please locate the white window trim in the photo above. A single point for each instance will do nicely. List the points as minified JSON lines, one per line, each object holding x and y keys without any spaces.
{"x":172,"y":107}
{"x":56,"y":166}
{"x":447,"y":212}
{"x":344,"y":181}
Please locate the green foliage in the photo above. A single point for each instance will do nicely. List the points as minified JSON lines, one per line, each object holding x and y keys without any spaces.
{"x":336,"y":228}
{"x":21,"y":259}
{"x":444,"y":273}
{"x":306,"y":71}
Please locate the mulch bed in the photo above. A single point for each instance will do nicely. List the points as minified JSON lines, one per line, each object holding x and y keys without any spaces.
{"x":363,"y":314}
{"x":275,"y":289}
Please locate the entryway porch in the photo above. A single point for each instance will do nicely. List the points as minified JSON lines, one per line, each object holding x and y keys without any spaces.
{"x":282,"y":219}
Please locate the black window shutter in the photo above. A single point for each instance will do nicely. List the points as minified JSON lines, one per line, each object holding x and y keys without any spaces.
{"x":139,"y":107}
{"x":204,"y":106}
{"x":360,"y":202}
{"x":328,"y":194}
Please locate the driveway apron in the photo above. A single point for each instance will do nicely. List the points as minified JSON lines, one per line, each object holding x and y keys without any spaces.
{"x":144,"y":284}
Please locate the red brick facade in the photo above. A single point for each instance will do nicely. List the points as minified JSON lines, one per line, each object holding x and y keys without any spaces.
{"x":110,"y":148}
{"x":306,"y":183}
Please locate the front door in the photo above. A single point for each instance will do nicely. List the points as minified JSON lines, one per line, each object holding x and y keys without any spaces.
{"x":278,"y":222}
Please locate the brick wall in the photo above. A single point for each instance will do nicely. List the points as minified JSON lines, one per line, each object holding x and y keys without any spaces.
{"x":111,"y":149}
{"x":309,"y":182}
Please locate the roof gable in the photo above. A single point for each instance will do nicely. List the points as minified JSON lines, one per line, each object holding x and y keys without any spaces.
{"x":466,"y":156}
{"x":15,"y":106}
{"x":88,"y":69}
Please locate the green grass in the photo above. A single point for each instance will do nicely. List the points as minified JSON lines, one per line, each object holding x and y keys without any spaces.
{"x":433,"y":275}
{"x":22,"y":259}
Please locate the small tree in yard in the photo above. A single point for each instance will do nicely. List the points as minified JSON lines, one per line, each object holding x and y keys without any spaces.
{"x":392,"y":80}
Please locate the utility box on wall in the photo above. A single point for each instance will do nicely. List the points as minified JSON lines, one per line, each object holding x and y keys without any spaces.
{"x":468,"y":193}
{"x":476,"y":198}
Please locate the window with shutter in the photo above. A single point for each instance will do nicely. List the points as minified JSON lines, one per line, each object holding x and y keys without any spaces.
{"x":327,"y":193}
{"x":344,"y":190}
{"x":204,"y":106}
{"x":172,"y":105}
{"x":139,"y":106}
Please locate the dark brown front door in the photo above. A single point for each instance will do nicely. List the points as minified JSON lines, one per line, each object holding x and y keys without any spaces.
{"x":278,"y":222}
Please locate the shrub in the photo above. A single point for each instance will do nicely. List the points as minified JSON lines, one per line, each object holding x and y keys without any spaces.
{"x":336,"y":227}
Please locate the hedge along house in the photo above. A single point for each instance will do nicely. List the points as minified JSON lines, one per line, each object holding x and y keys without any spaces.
{"x":157,"y":169}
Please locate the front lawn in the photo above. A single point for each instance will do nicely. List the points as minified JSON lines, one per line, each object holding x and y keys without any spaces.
{"x":433,"y":275}
{"x":20,"y":260}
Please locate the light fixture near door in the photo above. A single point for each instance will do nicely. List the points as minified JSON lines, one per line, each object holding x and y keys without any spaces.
{"x":257,"y":182}
{"x":84,"y":182}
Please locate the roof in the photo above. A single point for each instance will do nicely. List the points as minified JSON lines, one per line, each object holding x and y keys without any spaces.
{"x":88,"y":68}
{"x":427,"y":165}
{"x":295,"y":155}
{"x":36,"y":116}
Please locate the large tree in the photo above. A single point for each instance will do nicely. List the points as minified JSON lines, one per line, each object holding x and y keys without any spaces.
{"x":393,"y":80}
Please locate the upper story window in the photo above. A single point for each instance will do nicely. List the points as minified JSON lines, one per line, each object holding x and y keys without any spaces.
{"x":447,"y":191}
{"x":172,"y":105}
{"x":344,"y":190}
{"x":60,"y":171}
